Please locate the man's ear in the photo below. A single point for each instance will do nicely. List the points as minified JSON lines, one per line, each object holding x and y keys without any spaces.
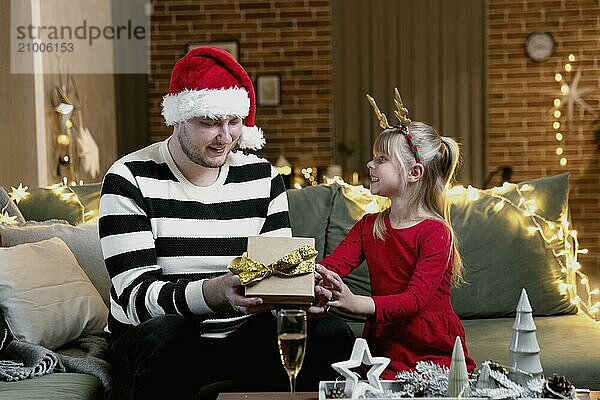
{"x":416,"y":172}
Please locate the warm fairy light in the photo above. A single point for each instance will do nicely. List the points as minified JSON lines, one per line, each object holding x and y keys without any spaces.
{"x":499,"y":206}
{"x":284,"y":170}
{"x":559,"y":151}
{"x":568,"y":67}
{"x":506,"y":186}
{"x":557,"y":114}
{"x":558,"y":77}
{"x":559,"y":136}
{"x":571,"y":57}
{"x":63,"y":139}
{"x":556,"y":125}
{"x":19,"y":193}
{"x":564,"y":88}
{"x":7,"y":219}
{"x":472,"y":193}
{"x":556,"y":103}
{"x":563,"y":161}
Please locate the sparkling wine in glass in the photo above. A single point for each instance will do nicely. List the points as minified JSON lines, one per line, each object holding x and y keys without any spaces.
{"x":291,"y":337}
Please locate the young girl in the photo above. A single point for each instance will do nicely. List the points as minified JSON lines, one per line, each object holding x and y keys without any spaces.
{"x":409,"y":247}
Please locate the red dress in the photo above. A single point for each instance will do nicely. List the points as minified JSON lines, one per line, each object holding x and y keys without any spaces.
{"x":410,"y":276}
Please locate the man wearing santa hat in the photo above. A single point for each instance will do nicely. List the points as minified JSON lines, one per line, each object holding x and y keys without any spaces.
{"x":172,"y":216}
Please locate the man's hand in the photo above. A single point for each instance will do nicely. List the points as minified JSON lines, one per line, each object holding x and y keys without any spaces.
{"x":226,"y":291}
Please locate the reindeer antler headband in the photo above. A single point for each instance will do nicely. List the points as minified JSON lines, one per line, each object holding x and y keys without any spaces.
{"x":401,"y":113}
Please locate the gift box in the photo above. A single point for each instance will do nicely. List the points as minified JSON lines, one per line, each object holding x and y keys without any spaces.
{"x":294,"y":290}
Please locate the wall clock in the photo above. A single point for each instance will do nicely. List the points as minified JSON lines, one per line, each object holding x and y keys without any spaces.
{"x":539,"y":46}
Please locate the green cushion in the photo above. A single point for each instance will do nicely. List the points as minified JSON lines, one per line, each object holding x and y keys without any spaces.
{"x":501,"y":257}
{"x":44,"y":204}
{"x":56,"y":386}
{"x":309,"y":213}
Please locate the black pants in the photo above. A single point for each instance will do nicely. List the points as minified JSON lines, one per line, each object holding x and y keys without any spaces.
{"x":165,"y":357}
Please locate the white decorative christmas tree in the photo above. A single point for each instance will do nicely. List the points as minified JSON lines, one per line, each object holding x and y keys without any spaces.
{"x":524,"y":351}
{"x":458,"y":379}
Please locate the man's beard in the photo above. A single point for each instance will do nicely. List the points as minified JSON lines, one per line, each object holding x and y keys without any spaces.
{"x":194,"y":155}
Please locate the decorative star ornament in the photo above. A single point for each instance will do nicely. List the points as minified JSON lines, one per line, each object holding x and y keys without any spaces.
{"x":361,"y":355}
{"x":7,"y":219}
{"x":574,"y":94}
{"x":19,"y":193}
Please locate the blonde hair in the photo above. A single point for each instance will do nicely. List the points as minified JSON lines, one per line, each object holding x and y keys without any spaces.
{"x":439,"y":156}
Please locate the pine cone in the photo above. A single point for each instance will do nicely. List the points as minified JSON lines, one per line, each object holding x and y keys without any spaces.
{"x":336,"y":392}
{"x":557,"y":387}
{"x":420,"y":390}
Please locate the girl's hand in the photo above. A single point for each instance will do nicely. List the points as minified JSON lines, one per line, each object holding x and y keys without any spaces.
{"x":342,"y":296}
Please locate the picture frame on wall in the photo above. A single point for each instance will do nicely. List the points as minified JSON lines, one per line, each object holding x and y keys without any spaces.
{"x":231,"y":46}
{"x":268,"y":90}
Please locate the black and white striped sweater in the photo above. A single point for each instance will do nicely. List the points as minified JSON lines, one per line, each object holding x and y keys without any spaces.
{"x":161,"y":235}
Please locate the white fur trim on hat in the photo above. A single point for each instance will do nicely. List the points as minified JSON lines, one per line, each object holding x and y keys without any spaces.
{"x":211,"y":103}
{"x":251,"y":138}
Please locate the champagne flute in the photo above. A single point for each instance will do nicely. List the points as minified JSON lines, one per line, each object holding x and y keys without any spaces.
{"x":291,"y":337}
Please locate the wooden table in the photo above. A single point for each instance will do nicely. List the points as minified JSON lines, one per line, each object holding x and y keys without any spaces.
{"x":269,"y":396}
{"x":594,"y":395}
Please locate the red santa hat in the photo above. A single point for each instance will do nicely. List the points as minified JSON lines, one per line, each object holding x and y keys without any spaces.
{"x":209,"y":82}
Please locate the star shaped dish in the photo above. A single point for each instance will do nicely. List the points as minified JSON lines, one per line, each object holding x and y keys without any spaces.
{"x":361,"y":355}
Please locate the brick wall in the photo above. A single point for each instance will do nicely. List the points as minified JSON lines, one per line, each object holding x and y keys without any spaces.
{"x":290,"y":38}
{"x":520,"y":108}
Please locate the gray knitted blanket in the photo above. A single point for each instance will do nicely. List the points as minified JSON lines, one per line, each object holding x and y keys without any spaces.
{"x":84,"y":355}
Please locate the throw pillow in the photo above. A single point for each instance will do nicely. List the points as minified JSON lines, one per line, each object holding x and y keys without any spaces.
{"x":44,"y":204}
{"x":501,"y":256}
{"x":8,"y":206}
{"x":309,"y":213}
{"x":83,"y":241}
{"x":45,"y":296}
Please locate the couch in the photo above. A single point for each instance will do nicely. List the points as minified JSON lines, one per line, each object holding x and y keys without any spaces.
{"x":501,"y":253}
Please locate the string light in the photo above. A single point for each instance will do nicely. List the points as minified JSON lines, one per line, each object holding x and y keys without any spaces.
{"x":19,"y":193}
{"x":67,"y":194}
{"x":558,"y":237}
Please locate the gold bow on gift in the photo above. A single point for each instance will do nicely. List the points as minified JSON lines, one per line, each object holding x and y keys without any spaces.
{"x":298,"y":262}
